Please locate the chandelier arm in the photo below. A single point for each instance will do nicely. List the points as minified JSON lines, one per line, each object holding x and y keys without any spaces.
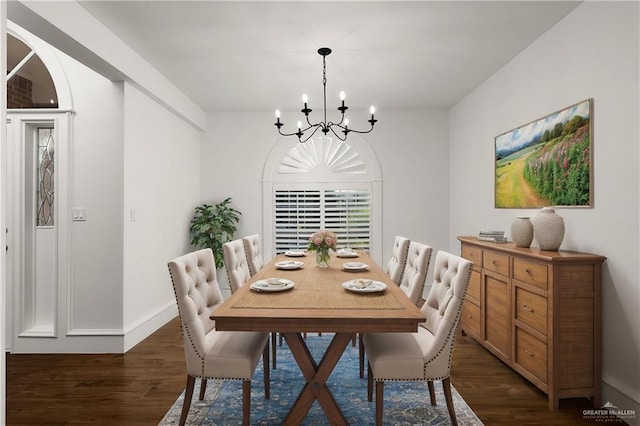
{"x":342,"y":138}
{"x":299,"y":130}
{"x":287,"y":134}
{"x":350,"y":129}
{"x":310,"y":136}
{"x":359,"y":131}
{"x":310,"y":124}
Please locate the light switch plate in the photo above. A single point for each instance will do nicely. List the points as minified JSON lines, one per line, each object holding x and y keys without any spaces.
{"x":79,"y":214}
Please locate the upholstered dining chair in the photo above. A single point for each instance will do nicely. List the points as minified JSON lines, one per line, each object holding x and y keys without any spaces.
{"x":414,"y":278}
{"x":415,"y":271}
{"x":253,"y":251}
{"x":395,"y":266}
{"x":212,"y":354}
{"x":237,"y":264}
{"x":425,"y":355}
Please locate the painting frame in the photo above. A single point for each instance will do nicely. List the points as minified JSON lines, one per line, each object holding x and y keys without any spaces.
{"x":547,"y":162}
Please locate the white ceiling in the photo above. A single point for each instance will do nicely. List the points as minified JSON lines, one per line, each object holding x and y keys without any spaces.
{"x":259,"y":56}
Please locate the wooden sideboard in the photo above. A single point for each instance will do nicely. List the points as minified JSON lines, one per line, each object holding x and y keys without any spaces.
{"x":539,"y":312}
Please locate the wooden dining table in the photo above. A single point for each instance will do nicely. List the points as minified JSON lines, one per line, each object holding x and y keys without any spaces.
{"x":319,"y":303}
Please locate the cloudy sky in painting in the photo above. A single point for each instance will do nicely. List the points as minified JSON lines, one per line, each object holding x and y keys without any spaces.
{"x":520,"y":136}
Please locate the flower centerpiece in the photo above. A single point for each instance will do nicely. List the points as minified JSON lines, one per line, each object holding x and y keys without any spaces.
{"x":321,"y":242}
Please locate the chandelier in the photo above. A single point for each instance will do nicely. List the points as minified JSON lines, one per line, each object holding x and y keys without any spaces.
{"x":340,"y":129}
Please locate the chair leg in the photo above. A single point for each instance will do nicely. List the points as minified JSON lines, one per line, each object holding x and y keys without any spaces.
{"x":267,"y":374}
{"x":432,"y":392}
{"x":369,"y":383}
{"x":246,"y":402}
{"x":203,"y":388}
{"x":446,"y":385}
{"x":280,"y":339}
{"x":273,"y":349}
{"x":361,"y":355}
{"x":188,"y":394}
{"x":379,"y":398}
{"x":354,"y":339}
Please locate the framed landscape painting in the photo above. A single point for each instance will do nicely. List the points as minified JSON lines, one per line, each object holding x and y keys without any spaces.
{"x":547,"y":162}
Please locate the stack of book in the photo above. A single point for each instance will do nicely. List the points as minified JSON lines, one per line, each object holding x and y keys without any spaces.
{"x":493,"y":236}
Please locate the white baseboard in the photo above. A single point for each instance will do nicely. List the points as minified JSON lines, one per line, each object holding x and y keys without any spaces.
{"x":143,"y":328}
{"x":621,"y":396}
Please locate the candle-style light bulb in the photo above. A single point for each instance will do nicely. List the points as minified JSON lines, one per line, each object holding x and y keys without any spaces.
{"x":277,"y":113}
{"x":372,"y":110}
{"x":305,"y":99}
{"x":299,"y":124}
{"x":342,"y":95}
{"x":346,"y":122}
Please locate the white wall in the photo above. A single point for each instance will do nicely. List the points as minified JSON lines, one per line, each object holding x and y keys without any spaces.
{"x":95,"y":297}
{"x":161,"y":173}
{"x":592,"y":53}
{"x":411,"y":147}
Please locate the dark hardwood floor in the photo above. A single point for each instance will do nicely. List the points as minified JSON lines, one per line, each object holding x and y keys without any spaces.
{"x":138,"y":387}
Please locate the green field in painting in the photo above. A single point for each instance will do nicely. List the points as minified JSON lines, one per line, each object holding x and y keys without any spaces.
{"x":512,"y":190}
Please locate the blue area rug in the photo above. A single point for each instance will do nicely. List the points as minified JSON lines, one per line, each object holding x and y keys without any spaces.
{"x":404,"y":403}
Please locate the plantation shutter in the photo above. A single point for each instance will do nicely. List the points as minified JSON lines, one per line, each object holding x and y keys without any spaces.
{"x":297,"y":216}
{"x":347,"y":212}
{"x":300,"y":213}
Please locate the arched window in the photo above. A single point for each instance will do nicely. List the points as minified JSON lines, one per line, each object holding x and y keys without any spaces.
{"x":29,"y":84}
{"x":322,"y":184}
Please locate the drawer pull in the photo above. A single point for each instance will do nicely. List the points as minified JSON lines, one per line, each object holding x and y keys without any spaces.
{"x":469,"y":316}
{"x":527,"y":271}
{"x":528,"y":353}
{"x":493,"y":261}
{"x":526,"y":308}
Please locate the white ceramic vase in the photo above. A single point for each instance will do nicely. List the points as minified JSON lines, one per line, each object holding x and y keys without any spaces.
{"x":548,"y":229}
{"x":522,"y":231}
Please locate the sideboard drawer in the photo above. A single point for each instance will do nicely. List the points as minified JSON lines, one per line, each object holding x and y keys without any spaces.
{"x":473,"y":289}
{"x":495,"y":262}
{"x":531,"y":309}
{"x":471,"y":317}
{"x":472,"y":254}
{"x":531,"y":354}
{"x":530,"y":272}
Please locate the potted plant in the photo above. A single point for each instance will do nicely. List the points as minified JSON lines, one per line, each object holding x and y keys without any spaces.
{"x":214,"y":225}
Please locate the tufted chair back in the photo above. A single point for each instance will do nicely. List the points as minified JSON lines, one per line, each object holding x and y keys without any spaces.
{"x":254,"y":253}
{"x":395,"y":267}
{"x":442,"y":308}
{"x":235,"y":261}
{"x":198,"y":294}
{"x":425,"y":355}
{"x":415,"y":270}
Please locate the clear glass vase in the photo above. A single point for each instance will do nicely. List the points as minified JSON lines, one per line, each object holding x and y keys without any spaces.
{"x":322,"y":257}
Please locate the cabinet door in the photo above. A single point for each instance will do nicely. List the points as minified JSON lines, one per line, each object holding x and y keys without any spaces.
{"x":497,"y":314}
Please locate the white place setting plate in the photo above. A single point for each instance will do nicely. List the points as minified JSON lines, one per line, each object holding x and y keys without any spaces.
{"x":289,"y":264}
{"x":294,"y":253}
{"x":364,"y":286}
{"x":355,"y":266}
{"x":346,"y":253}
{"x":272,"y":284}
